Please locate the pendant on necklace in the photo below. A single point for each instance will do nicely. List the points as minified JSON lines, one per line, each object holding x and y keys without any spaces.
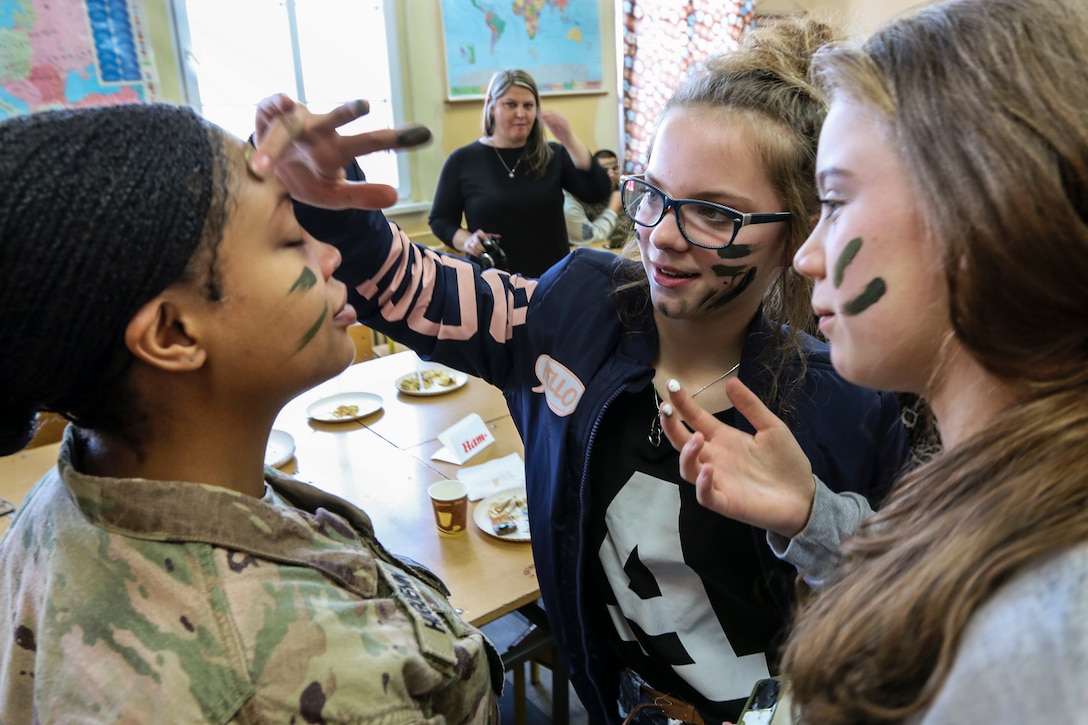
{"x":655,"y":433}
{"x":509,"y":172}
{"x":654,"y":436}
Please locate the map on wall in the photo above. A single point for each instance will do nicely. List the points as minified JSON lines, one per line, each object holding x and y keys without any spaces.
{"x":73,"y":53}
{"x":557,"y":41}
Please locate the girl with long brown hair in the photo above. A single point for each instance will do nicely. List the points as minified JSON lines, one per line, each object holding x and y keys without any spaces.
{"x":949,"y":262}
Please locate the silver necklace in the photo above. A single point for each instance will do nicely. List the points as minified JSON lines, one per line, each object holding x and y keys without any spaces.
{"x":510,"y":172}
{"x":655,"y":433}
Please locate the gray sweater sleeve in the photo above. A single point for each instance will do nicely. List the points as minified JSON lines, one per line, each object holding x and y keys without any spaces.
{"x":580,"y":228}
{"x":815,"y":550}
{"x":1024,"y":653}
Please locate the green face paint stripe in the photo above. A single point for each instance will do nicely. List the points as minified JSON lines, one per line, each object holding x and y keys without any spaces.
{"x":313,"y":330}
{"x":873,"y":292}
{"x":305,"y":281}
{"x":733,"y":292}
{"x":735,"y":251}
{"x":725,"y":270}
{"x":845,"y":259}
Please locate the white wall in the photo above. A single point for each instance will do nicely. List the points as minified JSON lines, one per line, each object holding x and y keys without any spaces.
{"x":861,"y":16}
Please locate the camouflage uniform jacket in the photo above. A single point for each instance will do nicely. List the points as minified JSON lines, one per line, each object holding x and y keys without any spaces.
{"x":128,"y":600}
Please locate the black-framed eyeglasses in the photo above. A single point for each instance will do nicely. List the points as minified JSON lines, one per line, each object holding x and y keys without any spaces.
{"x":703,"y":223}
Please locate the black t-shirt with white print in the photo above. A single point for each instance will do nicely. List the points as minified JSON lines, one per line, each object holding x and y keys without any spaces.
{"x":687,"y":604}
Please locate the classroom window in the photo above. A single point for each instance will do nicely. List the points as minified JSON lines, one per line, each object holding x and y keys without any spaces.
{"x":661,"y":40}
{"x":233,"y":53}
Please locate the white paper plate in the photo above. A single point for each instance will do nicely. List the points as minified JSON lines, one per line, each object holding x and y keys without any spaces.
{"x":344,"y":407}
{"x":483,"y":520}
{"x":458,"y":378}
{"x":280,"y":448}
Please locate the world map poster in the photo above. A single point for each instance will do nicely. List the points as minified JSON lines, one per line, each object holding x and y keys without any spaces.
{"x":558,"y":42}
{"x":73,"y":53}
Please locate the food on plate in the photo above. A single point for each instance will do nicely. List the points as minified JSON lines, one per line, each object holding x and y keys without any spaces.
{"x":429,"y":379}
{"x":504,"y":512}
{"x":345,"y":411}
{"x":505,"y":528}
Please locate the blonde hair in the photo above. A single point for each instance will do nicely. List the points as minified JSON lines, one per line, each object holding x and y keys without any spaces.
{"x":984,"y":103}
{"x":764,"y":85}
{"x":538,"y":154}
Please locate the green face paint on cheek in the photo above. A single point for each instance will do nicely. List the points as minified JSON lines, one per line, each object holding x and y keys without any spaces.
{"x":305,"y":281}
{"x":720,"y":299}
{"x":873,"y":292}
{"x":735,"y":251}
{"x":845,"y":259}
{"x":313,"y":329}
{"x":725,"y":270}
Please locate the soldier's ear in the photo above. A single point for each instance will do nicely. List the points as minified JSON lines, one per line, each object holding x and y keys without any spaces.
{"x":164,"y":335}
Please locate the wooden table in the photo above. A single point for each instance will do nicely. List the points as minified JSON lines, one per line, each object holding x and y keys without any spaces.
{"x":404,"y":420}
{"x":382,"y":464}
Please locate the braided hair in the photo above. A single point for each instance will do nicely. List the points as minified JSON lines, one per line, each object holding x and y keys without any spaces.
{"x":100,"y":210}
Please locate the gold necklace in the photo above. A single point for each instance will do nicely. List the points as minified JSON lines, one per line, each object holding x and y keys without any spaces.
{"x":510,"y":172}
{"x":655,"y":433}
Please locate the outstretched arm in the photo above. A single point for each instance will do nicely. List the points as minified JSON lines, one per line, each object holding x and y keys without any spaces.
{"x":308,"y":154}
{"x":764,"y":479}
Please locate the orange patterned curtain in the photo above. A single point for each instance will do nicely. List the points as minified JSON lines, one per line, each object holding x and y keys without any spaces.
{"x":661,"y":39}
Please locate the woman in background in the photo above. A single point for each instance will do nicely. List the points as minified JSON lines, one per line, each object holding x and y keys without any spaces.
{"x":509,"y":183}
{"x":949,"y":262}
{"x":161,"y":573}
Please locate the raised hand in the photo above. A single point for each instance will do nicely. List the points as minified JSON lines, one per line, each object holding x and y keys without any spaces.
{"x":308,"y":154}
{"x":764,"y":479}
{"x":558,"y":124}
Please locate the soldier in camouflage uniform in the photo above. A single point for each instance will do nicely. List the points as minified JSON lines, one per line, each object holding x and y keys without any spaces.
{"x":160,"y":573}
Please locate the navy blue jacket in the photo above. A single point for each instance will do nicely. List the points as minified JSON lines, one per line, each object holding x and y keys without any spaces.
{"x":558,"y":349}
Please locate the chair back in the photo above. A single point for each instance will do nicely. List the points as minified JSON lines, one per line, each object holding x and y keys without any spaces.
{"x":363,"y":337}
{"x":49,"y":428}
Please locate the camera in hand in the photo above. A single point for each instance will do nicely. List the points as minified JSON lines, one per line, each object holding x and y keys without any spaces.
{"x":492,"y":256}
